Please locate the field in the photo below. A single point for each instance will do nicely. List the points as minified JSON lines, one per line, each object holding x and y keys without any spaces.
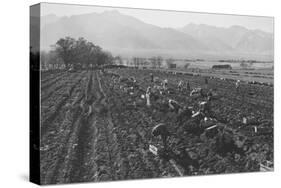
{"x":260,"y":72}
{"x":96,"y":126}
{"x":264,"y":76}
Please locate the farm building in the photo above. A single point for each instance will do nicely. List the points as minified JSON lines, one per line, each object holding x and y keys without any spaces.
{"x":172,"y":66}
{"x":221,"y":67}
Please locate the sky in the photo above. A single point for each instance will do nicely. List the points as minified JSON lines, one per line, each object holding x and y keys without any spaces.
{"x":162,"y":18}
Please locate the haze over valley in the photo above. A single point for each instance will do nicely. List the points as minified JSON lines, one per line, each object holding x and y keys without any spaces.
{"x":128,"y":36}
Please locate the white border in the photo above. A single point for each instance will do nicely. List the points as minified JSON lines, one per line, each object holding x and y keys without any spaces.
{"x":14,"y":97}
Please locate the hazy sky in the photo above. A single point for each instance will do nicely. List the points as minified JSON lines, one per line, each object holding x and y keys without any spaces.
{"x":172,"y":19}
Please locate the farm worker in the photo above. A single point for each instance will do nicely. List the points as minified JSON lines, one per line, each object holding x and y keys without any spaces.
{"x":193,"y":92}
{"x":197,"y":91}
{"x":198,"y":117}
{"x":206,"y":80}
{"x":162,"y":131}
{"x":187,"y":86}
{"x":180,"y":85}
{"x":202,"y":93}
{"x":147,"y":95}
{"x":165,"y":84}
{"x":205,"y":107}
{"x":174,"y":105}
{"x":133,"y":79}
{"x":237,"y":84}
{"x":151,"y":77}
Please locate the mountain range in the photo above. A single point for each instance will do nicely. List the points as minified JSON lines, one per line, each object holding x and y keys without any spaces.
{"x":128,"y":36}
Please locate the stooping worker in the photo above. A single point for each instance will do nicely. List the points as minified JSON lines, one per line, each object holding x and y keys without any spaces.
{"x":205,"y":107}
{"x":174,"y":106}
{"x":162,"y":131}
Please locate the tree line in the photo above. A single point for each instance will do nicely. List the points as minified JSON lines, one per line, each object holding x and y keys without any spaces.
{"x":70,"y":53}
{"x":156,"y":62}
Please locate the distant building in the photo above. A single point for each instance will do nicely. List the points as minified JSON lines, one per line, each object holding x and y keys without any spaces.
{"x":222,"y":67}
{"x":172,"y":66}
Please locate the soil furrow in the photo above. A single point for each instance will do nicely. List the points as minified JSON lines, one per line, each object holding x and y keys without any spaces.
{"x":45,"y":125}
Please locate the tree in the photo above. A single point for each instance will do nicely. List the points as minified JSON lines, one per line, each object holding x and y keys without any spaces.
{"x":93,"y":57}
{"x":81,"y":53}
{"x":65,"y":48}
{"x":104,"y":58}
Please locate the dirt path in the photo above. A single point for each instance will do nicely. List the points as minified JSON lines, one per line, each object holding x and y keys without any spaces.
{"x":90,"y":147}
{"x":47,"y":122}
{"x":59,"y":152}
{"x":95,"y":141}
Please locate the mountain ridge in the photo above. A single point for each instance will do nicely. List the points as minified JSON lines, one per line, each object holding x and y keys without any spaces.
{"x":118,"y":32}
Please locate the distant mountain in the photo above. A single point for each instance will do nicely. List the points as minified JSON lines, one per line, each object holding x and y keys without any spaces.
{"x":51,"y":18}
{"x":235,"y":39}
{"x":114,"y":30}
{"x":128,"y":36}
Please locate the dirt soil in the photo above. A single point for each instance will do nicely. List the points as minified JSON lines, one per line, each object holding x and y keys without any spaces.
{"x":96,"y":127}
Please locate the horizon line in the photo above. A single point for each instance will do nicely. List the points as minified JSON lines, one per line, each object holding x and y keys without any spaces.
{"x":162,"y":10}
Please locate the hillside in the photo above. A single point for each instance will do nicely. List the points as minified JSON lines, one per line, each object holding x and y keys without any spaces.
{"x":128,"y":36}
